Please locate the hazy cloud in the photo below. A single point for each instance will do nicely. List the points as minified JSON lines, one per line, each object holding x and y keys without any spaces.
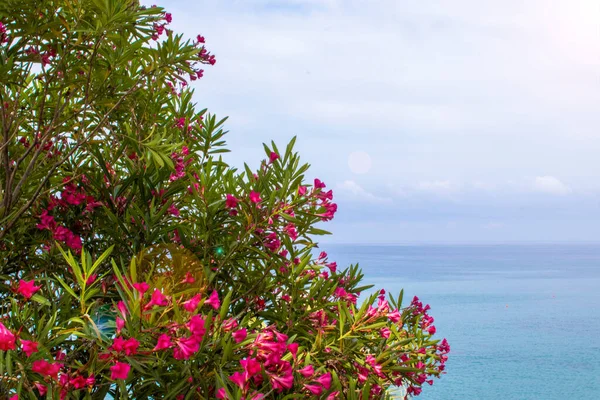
{"x":357,"y":192}
{"x":551,"y":185}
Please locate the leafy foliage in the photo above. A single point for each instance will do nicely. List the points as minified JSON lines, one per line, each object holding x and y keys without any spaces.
{"x":135,"y":263}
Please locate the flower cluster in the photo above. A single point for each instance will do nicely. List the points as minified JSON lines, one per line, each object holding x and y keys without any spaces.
{"x":192,"y":279}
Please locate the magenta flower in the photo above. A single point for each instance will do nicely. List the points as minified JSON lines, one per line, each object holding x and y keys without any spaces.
{"x":255,"y":197}
{"x":122,"y":308}
{"x":273,"y":156}
{"x":325,"y":380}
{"x":192,"y":304}
{"x":251,"y":367}
{"x":213,"y":300}
{"x":284,"y":381}
{"x":229,"y":324}
{"x":186,"y":347}
{"x":42,"y":389}
{"x":164,"y":342}
{"x":231,"y":201}
{"x":332,"y":267}
{"x":307,"y":371}
{"x":158,"y":299}
{"x":293,"y":348}
{"x":131,"y":346}
{"x":91,"y":279}
{"x":168,"y":18}
{"x":301,"y":190}
{"x":240,"y":336}
{"x":180,"y":122}
{"x":141,"y":287}
{"x":319,"y":184}
{"x":385,"y":332}
{"x":394,"y":316}
{"x":120,"y":324}
{"x":27,"y":288}
{"x":174,"y":210}
{"x":221,"y":394}
{"x":29,"y":347}
{"x":314,"y":389}
{"x":46,"y":221}
{"x":238,"y":379}
{"x":45,"y":368}
{"x":196,"y":326}
{"x":189,"y":278}
{"x":119,"y":371}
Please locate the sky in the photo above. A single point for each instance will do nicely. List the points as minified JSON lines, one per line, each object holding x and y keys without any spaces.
{"x":432,"y":121}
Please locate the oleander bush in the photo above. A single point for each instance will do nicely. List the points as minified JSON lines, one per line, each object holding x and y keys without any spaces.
{"x":135,"y":263}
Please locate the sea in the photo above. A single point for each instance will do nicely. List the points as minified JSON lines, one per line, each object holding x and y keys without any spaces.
{"x":523,"y":321}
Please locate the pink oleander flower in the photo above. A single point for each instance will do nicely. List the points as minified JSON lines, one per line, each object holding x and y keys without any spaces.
{"x":291,"y":231}
{"x":131,"y":346}
{"x":307,"y":371}
{"x":180,"y":122}
{"x":27,"y":288}
{"x":141,"y":287}
{"x":42,"y":389}
{"x":15,"y":397}
{"x":394,"y":316}
{"x":189,"y":278}
{"x":293,"y":348}
{"x":282,"y":381}
{"x":200,"y":39}
{"x":186,"y":347}
{"x":238,"y":379}
{"x":192,"y":304}
{"x":301,"y":190}
{"x":213,"y":300}
{"x":251,"y":367}
{"x":91,"y":279}
{"x":273,"y":157}
{"x":119,"y":371}
{"x":319,"y":184}
{"x":332,"y":267}
{"x":231,"y":201}
{"x":45,"y":368}
{"x":196,"y":325}
{"x":385,"y":332}
{"x":325,"y":380}
{"x":7,"y":338}
{"x":221,"y":394}
{"x":120,"y":324}
{"x":164,"y":342}
{"x":240,"y":335}
{"x":157,"y":299}
{"x":174,"y":210}
{"x":314,"y":389}
{"x":29,"y":347}
{"x":122,"y":308}
{"x":47,"y":221}
{"x":168,"y":18}
{"x":229,"y":324}
{"x":255,"y":197}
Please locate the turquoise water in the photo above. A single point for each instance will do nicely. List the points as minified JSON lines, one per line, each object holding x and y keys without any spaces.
{"x":523,"y":321}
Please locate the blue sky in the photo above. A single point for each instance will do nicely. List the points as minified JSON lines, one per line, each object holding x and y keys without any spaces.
{"x":433,"y":121}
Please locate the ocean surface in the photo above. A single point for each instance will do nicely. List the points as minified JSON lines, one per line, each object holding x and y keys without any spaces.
{"x":523,"y":321}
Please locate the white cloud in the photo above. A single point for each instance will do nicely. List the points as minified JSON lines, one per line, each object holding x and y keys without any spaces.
{"x":550,"y":185}
{"x":440,"y":188}
{"x":356,"y":191}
